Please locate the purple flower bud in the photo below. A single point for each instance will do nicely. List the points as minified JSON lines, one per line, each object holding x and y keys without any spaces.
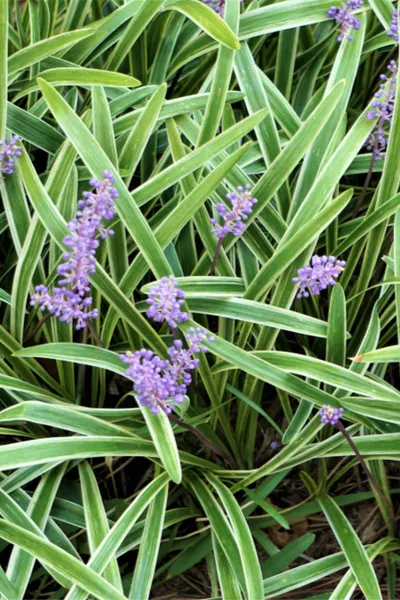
{"x":166,"y":300}
{"x":323,"y":272}
{"x":159,"y":383}
{"x":217,"y":5}
{"x":330,"y":415}
{"x":71,"y":300}
{"x":345,"y":19}
{"x":383,"y":110}
{"x":9,"y":150}
{"x":274,"y":445}
{"x":394,"y":27}
{"x":242,"y":206}
{"x":195,"y":337}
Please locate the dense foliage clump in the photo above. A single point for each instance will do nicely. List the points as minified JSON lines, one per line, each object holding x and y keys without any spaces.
{"x":200,"y":248}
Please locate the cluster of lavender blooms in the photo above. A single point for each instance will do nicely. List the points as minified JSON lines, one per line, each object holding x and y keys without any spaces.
{"x":330,"y":415}
{"x":165,"y":300}
{"x":9,"y":151}
{"x":242,"y":206}
{"x":160,"y":383}
{"x":345,"y":19}
{"x":72,"y":300}
{"x":394,"y":27}
{"x":383,"y":108}
{"x":217,"y":5}
{"x":323,"y":272}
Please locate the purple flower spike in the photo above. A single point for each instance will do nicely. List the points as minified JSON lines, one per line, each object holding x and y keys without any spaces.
{"x":72,"y":299}
{"x":345,"y":19}
{"x":330,"y":415}
{"x":242,"y":206}
{"x":159,"y":383}
{"x":8,"y":152}
{"x":165,"y":300}
{"x":383,"y":107}
{"x":182,"y":359}
{"x":394,"y":28}
{"x":153,"y":384}
{"x":65,"y":305}
{"x":195,"y":337}
{"x":217,"y":5}
{"x":323,"y":272}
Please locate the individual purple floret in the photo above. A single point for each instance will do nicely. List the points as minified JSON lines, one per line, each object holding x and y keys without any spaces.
{"x":330,"y":415}
{"x":8,"y":152}
{"x":242,"y":206}
{"x":165,"y":300}
{"x":394,"y":28}
{"x":217,"y":5}
{"x":345,"y":19}
{"x":161,"y":383}
{"x":72,"y":299}
{"x":323,"y":272}
{"x":383,"y":108}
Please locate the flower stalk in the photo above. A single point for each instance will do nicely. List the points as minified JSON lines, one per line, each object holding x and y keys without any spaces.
{"x":332,"y":416}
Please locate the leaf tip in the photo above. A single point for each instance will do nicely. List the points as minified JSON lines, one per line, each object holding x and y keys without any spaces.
{"x":176,"y":477}
{"x":42,"y":83}
{"x":357,"y":358}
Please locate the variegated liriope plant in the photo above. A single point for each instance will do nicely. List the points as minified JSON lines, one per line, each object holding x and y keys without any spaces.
{"x":200,"y":251}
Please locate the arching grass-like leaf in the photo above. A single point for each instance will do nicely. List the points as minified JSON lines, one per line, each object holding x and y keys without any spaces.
{"x":61,"y":417}
{"x":110,"y":544}
{"x":220,"y":526}
{"x":82,"y":76}
{"x":149,"y":548}
{"x":354,"y":551}
{"x":4,"y":8}
{"x":382,"y":355}
{"x":21,"y":563}
{"x":247,"y":550}
{"x":206,"y":18}
{"x":59,"y":559}
{"x":96,"y":520}
{"x":39,"y":51}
